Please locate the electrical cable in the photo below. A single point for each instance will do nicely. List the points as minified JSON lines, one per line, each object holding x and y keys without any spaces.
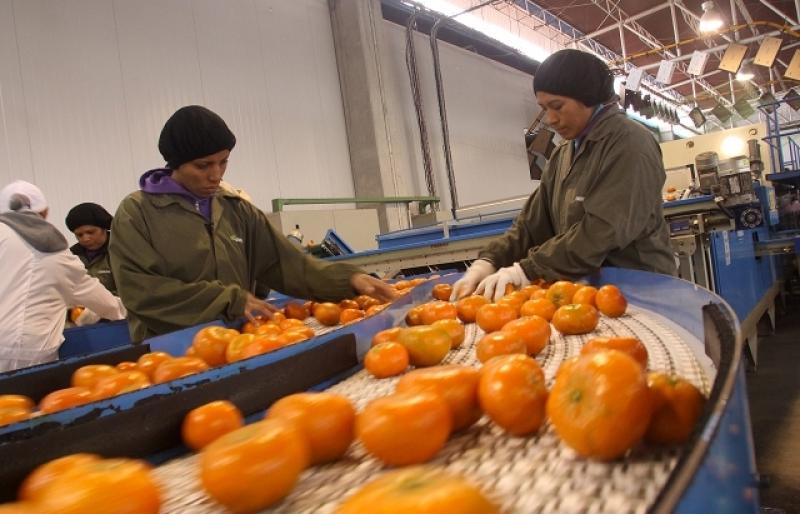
{"x":416,"y":92}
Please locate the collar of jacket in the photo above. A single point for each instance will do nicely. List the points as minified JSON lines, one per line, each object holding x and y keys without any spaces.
{"x":80,"y":251}
{"x":165,"y":199}
{"x":602,"y":129}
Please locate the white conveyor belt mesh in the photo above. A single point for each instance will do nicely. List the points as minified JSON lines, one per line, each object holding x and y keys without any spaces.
{"x":530,"y":475}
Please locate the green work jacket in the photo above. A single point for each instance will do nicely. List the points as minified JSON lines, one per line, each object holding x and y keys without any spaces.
{"x":174,"y":269}
{"x":99,"y":266}
{"x":599,"y":206}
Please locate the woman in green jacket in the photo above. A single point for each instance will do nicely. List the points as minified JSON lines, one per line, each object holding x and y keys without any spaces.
{"x":186,"y":251}
{"x":599,"y":200}
{"x":91,"y":224}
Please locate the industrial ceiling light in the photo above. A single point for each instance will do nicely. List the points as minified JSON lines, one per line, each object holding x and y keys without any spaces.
{"x":793,"y":99}
{"x":697,"y":117}
{"x":648,"y":109}
{"x":721,"y":112}
{"x":743,"y":108}
{"x":767,"y":102}
{"x":711,"y":20}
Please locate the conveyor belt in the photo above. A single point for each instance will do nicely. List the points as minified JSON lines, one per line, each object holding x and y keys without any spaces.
{"x":524,"y":475}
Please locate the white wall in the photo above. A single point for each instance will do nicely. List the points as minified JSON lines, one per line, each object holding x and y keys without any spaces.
{"x":488,"y":107}
{"x":86,"y":85}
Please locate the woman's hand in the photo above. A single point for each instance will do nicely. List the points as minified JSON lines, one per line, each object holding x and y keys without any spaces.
{"x":255,"y":307}
{"x":493,"y":287}
{"x":376,"y":288}
{"x":465,"y":286}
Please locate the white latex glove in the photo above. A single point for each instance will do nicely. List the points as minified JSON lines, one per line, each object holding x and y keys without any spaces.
{"x":87,"y":317}
{"x":493,"y":287}
{"x":478,"y":271}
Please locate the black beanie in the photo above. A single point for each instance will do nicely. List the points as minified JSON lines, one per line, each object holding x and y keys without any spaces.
{"x":88,"y":214}
{"x":575,"y":74}
{"x":193,"y":132}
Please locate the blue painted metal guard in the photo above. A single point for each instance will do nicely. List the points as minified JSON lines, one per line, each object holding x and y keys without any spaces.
{"x":94,"y":338}
{"x":333,"y":238}
{"x":689,"y":201}
{"x":793,"y":176}
{"x":420,"y":244}
{"x":409,"y":237}
{"x":726,"y":481}
{"x":741,"y":278}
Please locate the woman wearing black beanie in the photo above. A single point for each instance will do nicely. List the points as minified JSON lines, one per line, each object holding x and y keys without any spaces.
{"x":187,"y":251}
{"x":91,"y":224}
{"x":599,"y":200}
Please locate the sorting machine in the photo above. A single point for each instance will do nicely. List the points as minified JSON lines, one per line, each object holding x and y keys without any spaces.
{"x":687,"y":330}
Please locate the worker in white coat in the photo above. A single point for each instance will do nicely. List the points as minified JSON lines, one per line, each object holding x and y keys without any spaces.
{"x":40,"y":279}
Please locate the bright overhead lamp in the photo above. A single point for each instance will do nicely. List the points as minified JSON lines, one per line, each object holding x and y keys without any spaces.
{"x":745,"y":73}
{"x":711,"y":20}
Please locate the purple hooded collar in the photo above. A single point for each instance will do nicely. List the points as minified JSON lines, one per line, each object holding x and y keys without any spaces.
{"x":160,"y":182}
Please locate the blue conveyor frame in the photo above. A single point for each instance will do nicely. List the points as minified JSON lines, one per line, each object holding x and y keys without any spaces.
{"x":716,"y":474}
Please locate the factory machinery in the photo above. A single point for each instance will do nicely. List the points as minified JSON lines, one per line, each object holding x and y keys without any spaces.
{"x":686,"y":330}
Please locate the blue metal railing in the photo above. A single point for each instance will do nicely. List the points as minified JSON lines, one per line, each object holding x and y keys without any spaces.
{"x":780,"y":140}
{"x":794,"y":154}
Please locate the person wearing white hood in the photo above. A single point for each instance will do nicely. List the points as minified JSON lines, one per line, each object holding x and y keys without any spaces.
{"x":40,"y":279}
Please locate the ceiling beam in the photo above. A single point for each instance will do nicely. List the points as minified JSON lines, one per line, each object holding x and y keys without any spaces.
{"x":674,"y":19}
{"x":635,"y":17}
{"x":717,"y":48}
{"x":756,"y":32}
{"x":779,"y":12}
{"x":689,"y":81}
{"x":688,"y":14}
{"x":646,"y":37}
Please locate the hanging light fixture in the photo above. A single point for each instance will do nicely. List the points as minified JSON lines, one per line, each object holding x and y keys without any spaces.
{"x":711,"y":20}
{"x":697,"y":117}
{"x":745,"y":73}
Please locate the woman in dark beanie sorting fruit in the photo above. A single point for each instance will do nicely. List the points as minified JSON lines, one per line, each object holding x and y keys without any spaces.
{"x":91,"y":224}
{"x":599,"y":199}
{"x":186,"y":251}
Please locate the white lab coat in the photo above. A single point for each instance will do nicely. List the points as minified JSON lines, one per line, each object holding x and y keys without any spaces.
{"x":36,"y":289}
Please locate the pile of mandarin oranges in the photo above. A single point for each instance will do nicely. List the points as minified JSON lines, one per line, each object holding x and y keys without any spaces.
{"x":602,"y":403}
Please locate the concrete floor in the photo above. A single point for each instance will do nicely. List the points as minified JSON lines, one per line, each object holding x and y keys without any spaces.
{"x":774,"y":393}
